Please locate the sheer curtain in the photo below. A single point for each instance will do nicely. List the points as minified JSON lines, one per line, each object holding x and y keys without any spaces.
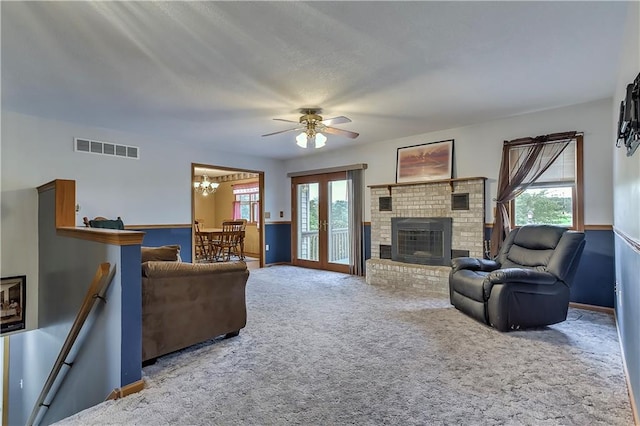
{"x":520,"y":168}
{"x":355,"y":185}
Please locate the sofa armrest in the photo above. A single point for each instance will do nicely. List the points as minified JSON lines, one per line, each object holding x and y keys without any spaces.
{"x":152,"y":268}
{"x":473,"y":264}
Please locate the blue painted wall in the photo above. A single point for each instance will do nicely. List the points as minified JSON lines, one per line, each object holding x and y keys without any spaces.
{"x":628,"y":309}
{"x":155,"y":237}
{"x":367,"y":241}
{"x":278,"y":237}
{"x":131,"y":325}
{"x":595,"y":277}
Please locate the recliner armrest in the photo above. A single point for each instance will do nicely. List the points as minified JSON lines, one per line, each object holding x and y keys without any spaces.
{"x":526,"y":276}
{"x":473,"y":264}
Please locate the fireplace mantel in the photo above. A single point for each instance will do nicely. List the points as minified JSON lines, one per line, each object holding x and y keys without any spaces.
{"x":449,"y":181}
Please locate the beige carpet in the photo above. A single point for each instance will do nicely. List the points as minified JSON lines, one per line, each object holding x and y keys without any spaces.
{"x":322,"y":348}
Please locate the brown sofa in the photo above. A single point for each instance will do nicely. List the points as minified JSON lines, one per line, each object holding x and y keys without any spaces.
{"x":185,"y":303}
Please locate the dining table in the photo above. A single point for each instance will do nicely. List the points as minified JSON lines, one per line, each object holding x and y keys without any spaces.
{"x":213,"y":234}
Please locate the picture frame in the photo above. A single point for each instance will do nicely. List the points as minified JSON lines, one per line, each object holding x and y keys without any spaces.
{"x":13,"y":303}
{"x":425,"y":162}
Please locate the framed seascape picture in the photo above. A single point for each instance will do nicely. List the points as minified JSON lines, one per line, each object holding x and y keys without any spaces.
{"x":12,"y":303}
{"x":426,"y":162}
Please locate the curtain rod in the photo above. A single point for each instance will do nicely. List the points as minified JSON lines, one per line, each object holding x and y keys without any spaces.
{"x":360,"y":166}
{"x":551,"y":138}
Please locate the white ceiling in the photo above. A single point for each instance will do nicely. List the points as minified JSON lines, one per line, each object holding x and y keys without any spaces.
{"x":216,"y":73}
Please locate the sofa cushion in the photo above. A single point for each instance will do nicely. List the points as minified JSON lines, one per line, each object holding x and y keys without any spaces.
{"x":165,"y":253}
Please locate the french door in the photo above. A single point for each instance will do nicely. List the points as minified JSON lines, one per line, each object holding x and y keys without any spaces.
{"x":320,"y":214}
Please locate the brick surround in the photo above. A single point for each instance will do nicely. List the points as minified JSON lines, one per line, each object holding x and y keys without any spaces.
{"x":425,"y":199}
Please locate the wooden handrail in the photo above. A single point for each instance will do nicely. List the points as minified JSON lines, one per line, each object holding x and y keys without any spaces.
{"x":97,"y":289}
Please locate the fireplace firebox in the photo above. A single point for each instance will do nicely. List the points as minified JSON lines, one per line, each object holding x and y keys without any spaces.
{"x":421,"y":240}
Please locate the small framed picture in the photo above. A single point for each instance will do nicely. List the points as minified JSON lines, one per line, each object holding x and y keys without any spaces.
{"x":426,"y":162}
{"x":13,"y":303}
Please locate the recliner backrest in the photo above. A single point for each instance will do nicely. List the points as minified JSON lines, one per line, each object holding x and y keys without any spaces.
{"x":566,"y":256}
{"x":530,"y":247}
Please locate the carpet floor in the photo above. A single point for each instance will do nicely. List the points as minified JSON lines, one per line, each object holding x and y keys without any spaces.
{"x":323,"y":348}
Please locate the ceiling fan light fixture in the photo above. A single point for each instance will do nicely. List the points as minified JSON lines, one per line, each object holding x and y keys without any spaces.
{"x":301,"y":140}
{"x":320,"y":140}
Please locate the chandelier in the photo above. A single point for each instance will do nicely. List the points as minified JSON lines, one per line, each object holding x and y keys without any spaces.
{"x":204,"y":186}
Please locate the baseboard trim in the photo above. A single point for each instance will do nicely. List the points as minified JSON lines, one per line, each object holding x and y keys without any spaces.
{"x":129,"y":389}
{"x":632,"y":401}
{"x":584,"y":306}
{"x":277,"y":263}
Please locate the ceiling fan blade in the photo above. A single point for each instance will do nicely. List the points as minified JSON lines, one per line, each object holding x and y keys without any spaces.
{"x":284,"y":131}
{"x":288,"y":121}
{"x":340,"y":132}
{"x":336,"y":120}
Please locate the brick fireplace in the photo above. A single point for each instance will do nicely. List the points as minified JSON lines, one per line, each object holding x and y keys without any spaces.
{"x":460,"y":202}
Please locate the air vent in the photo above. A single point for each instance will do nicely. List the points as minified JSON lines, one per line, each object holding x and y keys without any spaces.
{"x":460,"y":201}
{"x":106,"y":148}
{"x":385,"y":204}
{"x":385,"y":251}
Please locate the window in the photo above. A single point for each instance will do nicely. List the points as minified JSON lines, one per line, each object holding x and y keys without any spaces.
{"x":555,"y":198}
{"x":247,"y":202}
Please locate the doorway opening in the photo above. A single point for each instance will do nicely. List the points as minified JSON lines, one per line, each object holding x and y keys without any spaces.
{"x":232,"y":194}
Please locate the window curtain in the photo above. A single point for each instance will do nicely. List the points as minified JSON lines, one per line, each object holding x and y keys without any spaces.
{"x":246,"y":188}
{"x":355,"y":192}
{"x":534,"y":156}
{"x":236,"y":210}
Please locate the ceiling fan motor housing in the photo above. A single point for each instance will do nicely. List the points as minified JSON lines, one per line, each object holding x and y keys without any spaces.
{"x":310,"y":118}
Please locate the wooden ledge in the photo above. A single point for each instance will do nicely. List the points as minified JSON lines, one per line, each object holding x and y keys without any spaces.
{"x":429,"y":182}
{"x":99,"y":235}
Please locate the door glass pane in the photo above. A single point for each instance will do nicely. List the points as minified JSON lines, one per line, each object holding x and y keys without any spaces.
{"x":338,"y":230}
{"x":308,"y":224}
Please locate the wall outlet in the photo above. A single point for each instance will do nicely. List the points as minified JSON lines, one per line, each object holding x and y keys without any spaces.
{"x":281,"y":214}
{"x":266,"y":247}
{"x":267,"y":215}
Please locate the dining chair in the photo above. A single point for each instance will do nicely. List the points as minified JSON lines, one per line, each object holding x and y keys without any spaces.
{"x":202,"y":243}
{"x":228,"y":241}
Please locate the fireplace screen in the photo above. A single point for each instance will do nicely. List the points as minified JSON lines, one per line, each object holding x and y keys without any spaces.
{"x":421,"y":240}
{"x":420,"y":243}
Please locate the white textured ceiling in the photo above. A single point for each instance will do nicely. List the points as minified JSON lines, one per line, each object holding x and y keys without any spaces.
{"x":216,"y":73}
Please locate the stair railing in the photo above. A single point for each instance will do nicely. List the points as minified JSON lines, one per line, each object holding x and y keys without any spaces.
{"x":97,"y":290}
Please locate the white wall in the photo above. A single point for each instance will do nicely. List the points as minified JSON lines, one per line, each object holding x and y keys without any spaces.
{"x":627,"y":169}
{"x":477,"y":152}
{"x":626,"y":172}
{"x":153,"y":190}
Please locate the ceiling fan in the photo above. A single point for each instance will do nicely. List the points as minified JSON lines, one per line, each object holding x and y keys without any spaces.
{"x":312,"y":127}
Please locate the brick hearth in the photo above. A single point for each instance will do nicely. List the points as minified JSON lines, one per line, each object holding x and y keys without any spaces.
{"x":425,"y":199}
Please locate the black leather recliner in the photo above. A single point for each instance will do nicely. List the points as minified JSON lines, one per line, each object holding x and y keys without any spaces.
{"x":527,"y":285}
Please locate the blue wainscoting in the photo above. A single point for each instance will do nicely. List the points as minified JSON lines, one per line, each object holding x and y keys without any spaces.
{"x":595,"y":277}
{"x":131,"y":325}
{"x":367,"y":241}
{"x":155,"y":237}
{"x":278,"y":237}
{"x":628,"y":309}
